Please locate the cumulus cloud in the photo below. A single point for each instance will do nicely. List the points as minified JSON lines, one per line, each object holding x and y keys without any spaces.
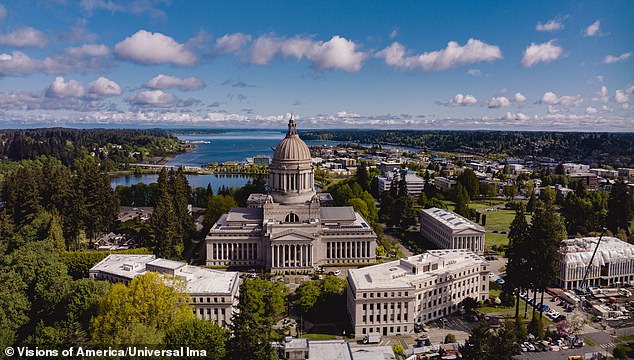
{"x":498,"y":102}
{"x":603,"y":95}
{"x":519,"y":116}
{"x":550,"y":98}
{"x":18,"y":63}
{"x":545,"y":52}
{"x":231,"y":43}
{"x":158,"y":99}
{"x":98,"y":89}
{"x":145,"y":47}
{"x":519,"y":98}
{"x":103,"y":87}
{"x":61,"y":89}
{"x":610,"y":59}
{"x":463,"y":100}
{"x":591,"y":110}
{"x":550,"y":25}
{"x":337,"y":53}
{"x":162,"y":81}
{"x":621,"y":96}
{"x":24,"y":37}
{"x":454,"y":55}
{"x":593,"y":29}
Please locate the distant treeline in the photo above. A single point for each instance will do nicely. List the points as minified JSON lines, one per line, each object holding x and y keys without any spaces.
{"x":615,"y":149}
{"x":69,"y":144}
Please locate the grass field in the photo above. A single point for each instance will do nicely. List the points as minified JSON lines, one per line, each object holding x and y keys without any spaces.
{"x":491,"y":239}
{"x":321,"y":332}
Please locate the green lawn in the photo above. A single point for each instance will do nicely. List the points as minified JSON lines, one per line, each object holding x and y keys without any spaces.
{"x":625,"y":338}
{"x":589,"y":342}
{"x":319,"y":336}
{"x":321,"y":332}
{"x":491,"y":239}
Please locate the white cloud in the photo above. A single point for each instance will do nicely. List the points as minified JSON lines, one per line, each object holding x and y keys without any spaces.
{"x":610,"y":59}
{"x":18,"y":63}
{"x":463,"y":100}
{"x":545,"y":52}
{"x":337,"y":53}
{"x":158,"y":99}
{"x":62,"y":89}
{"x":550,"y":25}
{"x":591,"y":110}
{"x":552,"y":109}
{"x":593,"y":29}
{"x":630,"y":89}
{"x":89,"y":50}
{"x":550,"y":98}
{"x":519,"y":98}
{"x":145,"y":47}
{"x":603,"y":96}
{"x":103,"y":87}
{"x":454,"y":55}
{"x":519,"y":116}
{"x":24,"y":37}
{"x":393,"y":34}
{"x":231,"y":43}
{"x":498,"y":102}
{"x":474,"y":72}
{"x":162,"y":81}
{"x":621,"y":96}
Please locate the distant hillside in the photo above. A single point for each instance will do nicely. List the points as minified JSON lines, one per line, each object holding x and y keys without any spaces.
{"x":615,"y":149}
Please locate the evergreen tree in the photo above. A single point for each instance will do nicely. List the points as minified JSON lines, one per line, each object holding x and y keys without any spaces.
{"x":470,"y":182}
{"x":517,"y":254}
{"x":619,"y":208}
{"x":478,"y":345}
{"x":530,"y":206}
{"x":363,"y":177}
{"x":167,"y":242}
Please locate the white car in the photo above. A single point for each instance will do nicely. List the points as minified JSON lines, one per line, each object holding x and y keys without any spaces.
{"x":337,"y":273}
{"x":491,"y":275}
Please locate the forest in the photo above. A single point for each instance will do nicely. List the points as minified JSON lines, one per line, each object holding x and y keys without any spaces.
{"x":613,"y":149}
{"x":112,"y":146}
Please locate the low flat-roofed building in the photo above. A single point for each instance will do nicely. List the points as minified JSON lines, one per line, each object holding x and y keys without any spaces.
{"x":626,"y":173}
{"x":613,"y":263}
{"x":443,"y":184}
{"x":415,"y":183}
{"x":448,"y":230}
{"x":389,"y":166}
{"x":605,"y":173}
{"x":590,"y":180}
{"x":390,"y":298}
{"x":214,"y":294}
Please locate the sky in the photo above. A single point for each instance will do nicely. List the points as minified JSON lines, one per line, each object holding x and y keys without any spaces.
{"x":438,"y":65}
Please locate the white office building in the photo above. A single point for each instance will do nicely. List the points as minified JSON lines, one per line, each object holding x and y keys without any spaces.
{"x":214,"y":294}
{"x":415,"y":183}
{"x":613,"y":264}
{"x":448,"y":230}
{"x":390,"y":298}
{"x":443,"y":183}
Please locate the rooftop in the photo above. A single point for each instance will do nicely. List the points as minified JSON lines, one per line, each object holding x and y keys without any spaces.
{"x":452,"y":220}
{"x":338,"y":213}
{"x":245,"y":214}
{"x":202,"y":280}
{"x":166,"y":264}
{"x":398,"y":273}
{"x":123,"y":265}
{"x":329,"y":349}
{"x":580,"y":250}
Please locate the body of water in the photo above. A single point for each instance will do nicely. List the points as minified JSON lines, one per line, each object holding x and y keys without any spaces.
{"x":216,"y":180}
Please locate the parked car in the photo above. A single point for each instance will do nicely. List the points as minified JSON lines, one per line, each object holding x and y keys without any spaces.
{"x":337,"y":273}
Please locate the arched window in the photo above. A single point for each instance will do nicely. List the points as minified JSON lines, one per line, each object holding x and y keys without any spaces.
{"x":291,"y":218}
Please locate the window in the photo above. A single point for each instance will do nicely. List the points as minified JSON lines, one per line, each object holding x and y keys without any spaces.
{"x":291,"y":218}
{"x":364,"y":306}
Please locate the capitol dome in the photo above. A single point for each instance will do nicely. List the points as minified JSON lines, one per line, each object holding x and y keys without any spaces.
{"x":292,"y":147}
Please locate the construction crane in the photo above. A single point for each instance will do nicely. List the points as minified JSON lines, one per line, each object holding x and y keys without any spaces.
{"x":581,"y":289}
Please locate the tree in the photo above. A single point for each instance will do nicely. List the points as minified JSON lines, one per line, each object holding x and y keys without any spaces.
{"x":470,"y":182}
{"x":504,"y":342}
{"x":548,"y":195}
{"x":167,"y":241}
{"x":517,"y":253}
{"x":141,"y":312}
{"x":307,"y":295}
{"x":363,"y":177}
{"x":198,"y":334}
{"x":510,"y":191}
{"x":619,"y":208}
{"x":218,"y":205}
{"x":450,"y":338}
{"x":462,"y":203}
{"x":530,"y":206}
{"x":478,"y":345}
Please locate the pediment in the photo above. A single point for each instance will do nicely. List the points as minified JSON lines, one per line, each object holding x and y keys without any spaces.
{"x":291,"y":235}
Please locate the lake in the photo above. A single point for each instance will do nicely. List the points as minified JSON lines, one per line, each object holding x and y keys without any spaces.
{"x":216,"y":180}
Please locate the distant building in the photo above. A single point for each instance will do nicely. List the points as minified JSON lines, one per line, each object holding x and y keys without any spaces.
{"x":214,"y":293}
{"x":626,"y":173}
{"x":590,"y":180}
{"x":306,"y":349}
{"x":562,"y":192}
{"x":448,"y":230}
{"x":613,"y":264}
{"x":572,"y":168}
{"x":347,"y":162}
{"x":415,"y":183}
{"x":390,"y":298}
{"x":261,"y":160}
{"x":605,"y":173}
{"x":389,"y":166}
{"x":444,"y":184}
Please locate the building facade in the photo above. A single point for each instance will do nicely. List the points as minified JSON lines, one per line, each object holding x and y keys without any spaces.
{"x":448,"y":230}
{"x":214,"y":294}
{"x":443,"y":183}
{"x":415,"y":184}
{"x":613,"y":264}
{"x":392,"y":297}
{"x":289,"y":229}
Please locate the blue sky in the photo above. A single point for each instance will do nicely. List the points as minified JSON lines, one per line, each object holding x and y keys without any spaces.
{"x":499,"y":65}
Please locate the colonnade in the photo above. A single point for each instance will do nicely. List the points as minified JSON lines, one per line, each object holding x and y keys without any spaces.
{"x":347,"y":249}
{"x":292,"y":255}
{"x":235,"y":251}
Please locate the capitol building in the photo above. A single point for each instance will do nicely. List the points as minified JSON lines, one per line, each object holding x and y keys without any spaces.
{"x":292,"y":228}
